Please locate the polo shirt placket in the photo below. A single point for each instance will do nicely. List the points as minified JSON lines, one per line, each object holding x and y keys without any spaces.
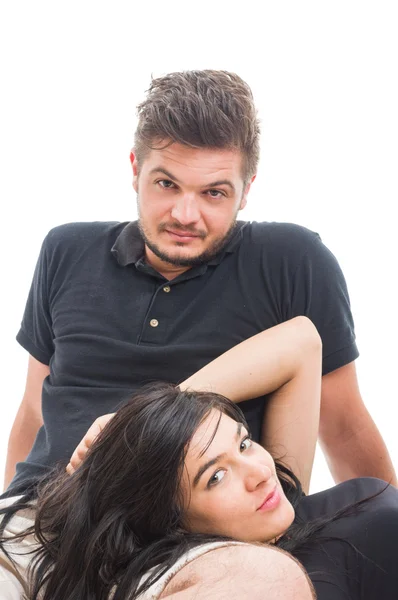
{"x":162,"y":309}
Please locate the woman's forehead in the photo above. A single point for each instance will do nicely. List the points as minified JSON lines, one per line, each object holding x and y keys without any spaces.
{"x":213,"y":436}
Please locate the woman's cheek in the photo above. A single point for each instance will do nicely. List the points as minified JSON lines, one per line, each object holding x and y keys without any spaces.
{"x":230,"y":502}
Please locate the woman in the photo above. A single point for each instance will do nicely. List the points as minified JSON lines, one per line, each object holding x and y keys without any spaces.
{"x":175,"y":470}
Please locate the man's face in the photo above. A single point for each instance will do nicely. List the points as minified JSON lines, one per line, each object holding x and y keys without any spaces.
{"x":188,"y":200}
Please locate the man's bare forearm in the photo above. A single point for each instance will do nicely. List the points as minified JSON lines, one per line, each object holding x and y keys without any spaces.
{"x":22,"y":436}
{"x":359,"y":453}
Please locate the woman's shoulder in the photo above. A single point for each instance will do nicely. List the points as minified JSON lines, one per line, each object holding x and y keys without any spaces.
{"x":357,"y":549}
{"x":329,"y":502}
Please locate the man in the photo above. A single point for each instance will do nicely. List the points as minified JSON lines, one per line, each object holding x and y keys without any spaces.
{"x":113,"y":305}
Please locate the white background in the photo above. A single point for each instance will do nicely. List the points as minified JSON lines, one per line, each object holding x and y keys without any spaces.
{"x":324,"y":75}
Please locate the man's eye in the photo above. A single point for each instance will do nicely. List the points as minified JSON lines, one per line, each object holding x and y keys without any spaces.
{"x":165,"y":183}
{"x":215,"y":193}
{"x":216,"y":478}
{"x":245,"y":444}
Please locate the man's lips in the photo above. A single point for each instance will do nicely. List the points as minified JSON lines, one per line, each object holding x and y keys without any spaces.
{"x":182,"y":234}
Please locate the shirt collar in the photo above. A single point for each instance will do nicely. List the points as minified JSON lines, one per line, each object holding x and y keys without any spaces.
{"x":129,"y":246}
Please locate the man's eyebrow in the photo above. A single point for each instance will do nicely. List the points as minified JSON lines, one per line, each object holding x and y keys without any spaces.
{"x":221,"y":182}
{"x":165,"y":172}
{"x":208,"y":185}
{"x":215,"y":460}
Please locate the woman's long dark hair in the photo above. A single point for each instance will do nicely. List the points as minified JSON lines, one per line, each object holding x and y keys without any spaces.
{"x":119,"y":516}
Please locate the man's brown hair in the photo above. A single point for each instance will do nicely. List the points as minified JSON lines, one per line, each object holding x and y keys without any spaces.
{"x":200,"y":109}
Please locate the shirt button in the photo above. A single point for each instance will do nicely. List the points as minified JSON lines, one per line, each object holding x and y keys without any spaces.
{"x":166,"y":288}
{"x":154,"y":322}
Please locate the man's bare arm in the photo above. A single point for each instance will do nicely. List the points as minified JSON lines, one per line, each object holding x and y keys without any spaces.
{"x":28,"y":419}
{"x":241,"y":571}
{"x":349,"y":438}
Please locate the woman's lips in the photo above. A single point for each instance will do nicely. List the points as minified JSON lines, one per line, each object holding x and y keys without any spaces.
{"x":271,"y":501}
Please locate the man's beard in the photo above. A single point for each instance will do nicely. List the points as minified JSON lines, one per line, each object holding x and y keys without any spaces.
{"x":207,"y":255}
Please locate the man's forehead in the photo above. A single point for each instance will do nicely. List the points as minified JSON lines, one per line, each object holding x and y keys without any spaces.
{"x":179,"y":159}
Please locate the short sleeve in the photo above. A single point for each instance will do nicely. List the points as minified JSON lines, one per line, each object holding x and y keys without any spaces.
{"x":36,"y":334}
{"x":320,"y":293}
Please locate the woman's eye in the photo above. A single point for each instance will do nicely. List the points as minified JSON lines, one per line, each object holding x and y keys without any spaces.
{"x":245,"y":444}
{"x":216,"y":478}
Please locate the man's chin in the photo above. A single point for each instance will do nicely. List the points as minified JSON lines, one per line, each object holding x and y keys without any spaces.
{"x":187,"y":255}
{"x":182,"y":259}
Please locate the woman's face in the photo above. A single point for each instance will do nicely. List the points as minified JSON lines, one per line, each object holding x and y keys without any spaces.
{"x":231,"y":488}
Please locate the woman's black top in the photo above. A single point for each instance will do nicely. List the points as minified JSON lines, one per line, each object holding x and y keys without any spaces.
{"x":361,"y":561}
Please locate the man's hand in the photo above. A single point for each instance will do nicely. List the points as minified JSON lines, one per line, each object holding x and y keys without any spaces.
{"x":81,"y":450}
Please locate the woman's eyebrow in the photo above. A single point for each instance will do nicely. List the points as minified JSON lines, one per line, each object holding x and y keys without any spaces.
{"x":206,"y":466}
{"x":215,"y":460}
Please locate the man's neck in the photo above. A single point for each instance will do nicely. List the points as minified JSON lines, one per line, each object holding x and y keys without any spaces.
{"x":166,"y":269}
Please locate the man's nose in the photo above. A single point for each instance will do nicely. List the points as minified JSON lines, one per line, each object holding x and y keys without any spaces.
{"x":186,"y":209}
{"x":256,"y":474}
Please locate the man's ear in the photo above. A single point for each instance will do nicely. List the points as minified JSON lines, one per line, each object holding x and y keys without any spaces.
{"x":134,"y":165}
{"x":245,"y":193}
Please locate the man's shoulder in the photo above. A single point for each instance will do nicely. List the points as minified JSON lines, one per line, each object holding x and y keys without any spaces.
{"x":263,"y":230}
{"x":78,"y":233}
{"x":278,"y":237}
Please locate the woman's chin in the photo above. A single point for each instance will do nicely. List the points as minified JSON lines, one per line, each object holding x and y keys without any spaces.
{"x":281,"y":523}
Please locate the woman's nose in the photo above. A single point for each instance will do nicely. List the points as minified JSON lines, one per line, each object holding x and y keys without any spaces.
{"x":256,"y":475}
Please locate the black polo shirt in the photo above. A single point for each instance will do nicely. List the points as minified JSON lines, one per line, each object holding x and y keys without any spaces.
{"x":106,"y":322}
